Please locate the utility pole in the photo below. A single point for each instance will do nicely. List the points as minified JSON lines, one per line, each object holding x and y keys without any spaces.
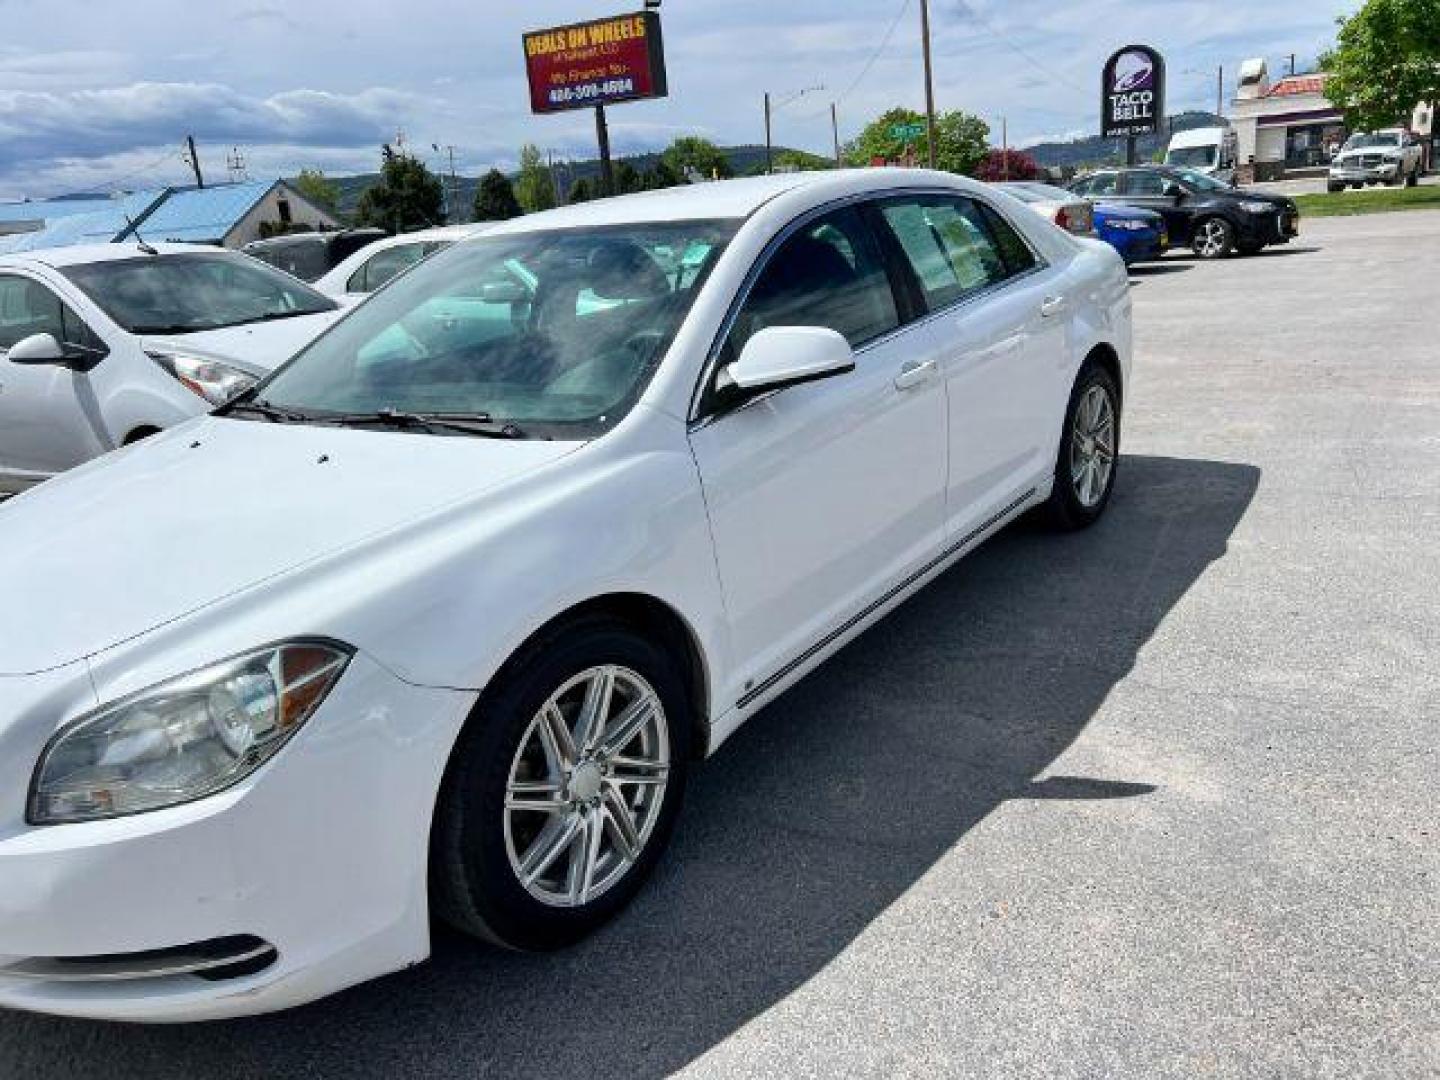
{"x":1292,"y":63}
{"x":194,"y":160}
{"x":1004,"y":148}
{"x":602,"y":136}
{"x":769,"y":153}
{"x":835,"y":134}
{"x":1220,"y":90}
{"x":929,"y":80}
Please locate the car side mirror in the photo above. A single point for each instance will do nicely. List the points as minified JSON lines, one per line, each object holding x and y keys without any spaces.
{"x":781,"y":356}
{"x":40,"y":349}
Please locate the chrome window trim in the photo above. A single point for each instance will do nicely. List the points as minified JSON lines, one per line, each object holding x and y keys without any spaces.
{"x":696,"y":421}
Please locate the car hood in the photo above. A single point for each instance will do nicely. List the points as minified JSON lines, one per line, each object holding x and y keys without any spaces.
{"x":151,"y":533}
{"x":259,"y":347}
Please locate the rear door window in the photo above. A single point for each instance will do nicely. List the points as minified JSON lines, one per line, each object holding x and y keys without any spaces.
{"x":948,"y":245}
{"x":1144,"y":183}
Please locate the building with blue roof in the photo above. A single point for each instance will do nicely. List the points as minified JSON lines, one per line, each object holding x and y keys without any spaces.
{"x":228,"y":215}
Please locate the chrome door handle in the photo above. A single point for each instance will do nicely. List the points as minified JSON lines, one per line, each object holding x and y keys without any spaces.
{"x":913,"y":373}
{"x":1051,"y":306}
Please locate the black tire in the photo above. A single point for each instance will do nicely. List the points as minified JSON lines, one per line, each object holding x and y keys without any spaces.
{"x":1065,"y":510}
{"x":1224,"y":245}
{"x":1413,"y":180}
{"x":473,"y":886}
{"x":1334,"y":188}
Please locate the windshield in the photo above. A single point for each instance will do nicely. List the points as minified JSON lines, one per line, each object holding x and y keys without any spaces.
{"x":306,"y":259}
{"x":1374,"y":139}
{"x":1194,"y":157}
{"x":183,"y":294}
{"x":1197,"y":181}
{"x":541,"y":330}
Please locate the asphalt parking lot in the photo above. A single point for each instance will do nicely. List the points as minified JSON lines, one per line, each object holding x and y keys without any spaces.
{"x":1154,"y":800}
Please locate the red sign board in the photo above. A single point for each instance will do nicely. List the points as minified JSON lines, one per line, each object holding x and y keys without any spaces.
{"x":595,"y":63}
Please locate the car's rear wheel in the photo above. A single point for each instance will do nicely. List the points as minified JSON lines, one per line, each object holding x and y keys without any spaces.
{"x":563,"y":790}
{"x":1214,"y":238}
{"x":1089,"y":455}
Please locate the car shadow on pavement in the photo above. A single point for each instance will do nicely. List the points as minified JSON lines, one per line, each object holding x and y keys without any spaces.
{"x":801,"y":832}
{"x":1155,"y":269}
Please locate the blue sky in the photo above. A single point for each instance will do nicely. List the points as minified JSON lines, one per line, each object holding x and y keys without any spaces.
{"x":97,"y":94}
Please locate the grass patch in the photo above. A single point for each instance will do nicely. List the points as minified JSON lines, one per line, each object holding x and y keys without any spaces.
{"x":1347,"y":203}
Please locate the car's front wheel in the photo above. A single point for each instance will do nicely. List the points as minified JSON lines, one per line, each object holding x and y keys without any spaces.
{"x":563,"y":789}
{"x":1089,"y":451}
{"x":1214,"y":238}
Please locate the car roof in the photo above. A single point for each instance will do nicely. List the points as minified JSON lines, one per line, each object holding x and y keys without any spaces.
{"x":729,"y":199}
{"x":79,"y":254}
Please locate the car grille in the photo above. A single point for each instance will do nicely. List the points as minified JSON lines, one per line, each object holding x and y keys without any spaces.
{"x":1370,"y":161}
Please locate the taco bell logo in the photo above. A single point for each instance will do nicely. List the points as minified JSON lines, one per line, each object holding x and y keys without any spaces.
{"x":1134,"y":71}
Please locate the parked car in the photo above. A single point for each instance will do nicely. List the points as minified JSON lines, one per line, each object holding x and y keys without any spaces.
{"x":1138,"y":235}
{"x":439,"y":616}
{"x":373,"y":265}
{"x":103,"y":345}
{"x":310,"y":255}
{"x":1209,"y":150}
{"x":1066,"y":209}
{"x":1393,"y":157}
{"x":1211,"y":217}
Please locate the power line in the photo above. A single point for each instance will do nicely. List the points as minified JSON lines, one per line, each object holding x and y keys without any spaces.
{"x":874,"y":56}
{"x":1024,"y":54}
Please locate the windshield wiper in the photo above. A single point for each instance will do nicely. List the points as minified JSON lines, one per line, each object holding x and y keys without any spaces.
{"x":271,"y":316}
{"x":261,"y":407}
{"x":481,"y":424}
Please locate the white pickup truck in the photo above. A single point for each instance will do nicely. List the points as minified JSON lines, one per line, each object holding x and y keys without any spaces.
{"x":1392,"y":156}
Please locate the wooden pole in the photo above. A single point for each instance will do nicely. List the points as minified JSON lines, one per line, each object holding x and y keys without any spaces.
{"x":835,"y":134}
{"x":769,"y":155}
{"x":194,"y":160}
{"x":602,"y":137}
{"x":929,"y":81}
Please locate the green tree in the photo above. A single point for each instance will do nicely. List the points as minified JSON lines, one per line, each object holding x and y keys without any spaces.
{"x":626,"y":177}
{"x":581,"y":191}
{"x":495,"y":198}
{"x":408,"y":196}
{"x":660,"y":175}
{"x":313,"y":184}
{"x":1386,"y":61}
{"x":534,"y":187}
{"x":703,"y":156}
{"x":961,"y":141}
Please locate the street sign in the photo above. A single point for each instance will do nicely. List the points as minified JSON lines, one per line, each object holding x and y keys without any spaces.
{"x":1132,"y":100}
{"x":907,"y":133}
{"x":596,"y":63}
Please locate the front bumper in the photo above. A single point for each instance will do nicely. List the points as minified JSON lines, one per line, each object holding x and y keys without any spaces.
{"x":1279,"y":226}
{"x":1359,"y":174}
{"x":321,"y":855}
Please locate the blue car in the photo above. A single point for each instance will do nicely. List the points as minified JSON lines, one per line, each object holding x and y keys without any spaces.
{"x":1139,"y":235}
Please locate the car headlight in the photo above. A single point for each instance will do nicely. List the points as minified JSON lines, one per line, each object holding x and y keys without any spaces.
{"x":183,"y":739}
{"x":1259,"y":208}
{"x":214,"y":381}
{"x":1129,"y":225}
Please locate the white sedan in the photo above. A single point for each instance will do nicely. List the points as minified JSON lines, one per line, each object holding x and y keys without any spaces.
{"x":364,"y":271}
{"x":103,"y":345}
{"x":438,"y":618}
{"x":1071,"y":212}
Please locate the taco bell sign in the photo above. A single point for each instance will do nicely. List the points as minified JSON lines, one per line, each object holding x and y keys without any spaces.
{"x":1133,"y":93}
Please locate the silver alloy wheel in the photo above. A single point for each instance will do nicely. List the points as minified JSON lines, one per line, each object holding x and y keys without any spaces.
{"x":1212,"y":238}
{"x":1092,"y":446}
{"x":586,"y":786}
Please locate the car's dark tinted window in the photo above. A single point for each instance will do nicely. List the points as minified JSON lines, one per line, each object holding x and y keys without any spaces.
{"x":948,"y":244}
{"x":384,"y":265}
{"x":829,"y":273}
{"x":1013,"y":248}
{"x":1144,"y":183}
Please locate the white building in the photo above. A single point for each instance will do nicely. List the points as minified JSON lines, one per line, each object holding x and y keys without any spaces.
{"x":1290,"y":126}
{"x":1284,"y":126}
